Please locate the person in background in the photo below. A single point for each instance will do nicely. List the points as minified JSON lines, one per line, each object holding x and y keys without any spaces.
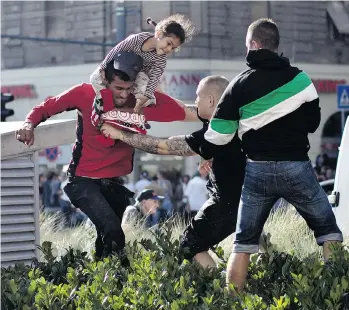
{"x":73,"y":216}
{"x":128,"y":184}
{"x":166,"y":206}
{"x":42,"y":180}
{"x":55,"y":184}
{"x":197,"y":193}
{"x":46,"y":190}
{"x":179,"y":197}
{"x":147,"y":203}
{"x":154,"y":185}
{"x":142,"y":182}
{"x":323,"y":168}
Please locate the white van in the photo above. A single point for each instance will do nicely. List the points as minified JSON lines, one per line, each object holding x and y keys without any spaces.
{"x":339,"y":198}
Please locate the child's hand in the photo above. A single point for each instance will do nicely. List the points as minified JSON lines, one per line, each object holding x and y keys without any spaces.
{"x":140,"y":101}
{"x":105,"y":82}
{"x":110,"y":132}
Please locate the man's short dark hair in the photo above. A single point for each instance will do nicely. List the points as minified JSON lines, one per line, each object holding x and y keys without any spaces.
{"x":265,"y":32}
{"x":111,"y":72}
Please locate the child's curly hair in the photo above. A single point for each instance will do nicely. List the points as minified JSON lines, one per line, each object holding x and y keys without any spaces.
{"x":178,"y":25}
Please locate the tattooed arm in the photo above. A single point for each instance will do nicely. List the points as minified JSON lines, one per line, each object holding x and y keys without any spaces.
{"x":172,"y":146}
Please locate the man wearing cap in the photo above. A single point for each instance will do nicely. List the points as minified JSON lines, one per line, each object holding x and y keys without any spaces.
{"x":95,"y":171}
{"x":147,"y":203}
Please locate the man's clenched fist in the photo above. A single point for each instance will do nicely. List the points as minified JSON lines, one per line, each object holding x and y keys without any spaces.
{"x":26,"y":134}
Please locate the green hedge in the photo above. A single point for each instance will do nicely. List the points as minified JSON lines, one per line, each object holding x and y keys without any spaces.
{"x":157,"y":281}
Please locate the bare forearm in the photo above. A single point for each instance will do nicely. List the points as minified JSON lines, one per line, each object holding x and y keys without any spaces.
{"x":191,"y":113}
{"x":173,"y":146}
{"x":190,"y":110}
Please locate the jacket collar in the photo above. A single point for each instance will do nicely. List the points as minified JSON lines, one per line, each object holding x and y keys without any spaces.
{"x":266,"y":59}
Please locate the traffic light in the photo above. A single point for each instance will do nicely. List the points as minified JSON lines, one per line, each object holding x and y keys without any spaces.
{"x":5,"y":98}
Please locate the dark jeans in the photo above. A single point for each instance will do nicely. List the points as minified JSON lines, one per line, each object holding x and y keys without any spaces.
{"x":104,"y":202}
{"x":295,"y":181}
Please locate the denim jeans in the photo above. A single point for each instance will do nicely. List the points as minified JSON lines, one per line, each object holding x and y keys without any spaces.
{"x":104,"y":202}
{"x":296,"y":182}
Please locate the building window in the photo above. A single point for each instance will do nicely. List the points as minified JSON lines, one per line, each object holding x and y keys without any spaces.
{"x":199,"y":15}
{"x":332,"y":31}
{"x":157,"y":10}
{"x":54,"y":18}
{"x":260,"y":9}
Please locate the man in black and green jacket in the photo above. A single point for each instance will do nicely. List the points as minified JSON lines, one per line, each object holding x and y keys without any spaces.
{"x":273,"y":107}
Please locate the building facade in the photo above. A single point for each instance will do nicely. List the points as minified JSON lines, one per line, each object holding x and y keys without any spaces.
{"x":52,"y":33}
{"x":49,"y":46}
{"x":33,"y":85}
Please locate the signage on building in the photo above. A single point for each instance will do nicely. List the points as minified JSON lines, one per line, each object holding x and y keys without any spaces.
{"x":20,"y":91}
{"x":343,"y":96}
{"x":60,"y":155}
{"x":50,"y":154}
{"x":182,"y":85}
{"x":327,"y":86}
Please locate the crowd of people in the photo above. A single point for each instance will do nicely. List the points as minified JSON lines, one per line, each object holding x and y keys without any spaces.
{"x":323,"y":168}
{"x":53,"y":198}
{"x":183,"y":195}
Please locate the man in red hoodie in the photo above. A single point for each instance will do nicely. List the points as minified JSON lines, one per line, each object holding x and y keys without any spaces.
{"x":95,"y":169}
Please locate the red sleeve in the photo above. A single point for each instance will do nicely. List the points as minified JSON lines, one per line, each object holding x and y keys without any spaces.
{"x":166,"y":110}
{"x":66,"y":101}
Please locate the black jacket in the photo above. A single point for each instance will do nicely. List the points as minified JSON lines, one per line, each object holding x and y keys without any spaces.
{"x":273,"y":106}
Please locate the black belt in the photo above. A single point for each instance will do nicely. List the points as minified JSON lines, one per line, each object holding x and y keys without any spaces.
{"x":116,"y":183}
{"x":111,"y":181}
{"x":103,"y":181}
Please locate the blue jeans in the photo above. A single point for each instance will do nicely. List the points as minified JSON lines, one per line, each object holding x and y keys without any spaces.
{"x":296,"y":182}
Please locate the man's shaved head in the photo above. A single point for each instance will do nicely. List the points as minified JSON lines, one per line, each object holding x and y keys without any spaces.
{"x":214,"y":84}
{"x":209,"y":91}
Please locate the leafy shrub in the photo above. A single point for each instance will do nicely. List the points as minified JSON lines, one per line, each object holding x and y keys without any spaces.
{"x":159,"y":279}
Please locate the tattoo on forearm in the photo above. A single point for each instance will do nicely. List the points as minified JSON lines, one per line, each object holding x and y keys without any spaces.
{"x":174,"y":146}
{"x":145,"y":143}
{"x":178,"y":146}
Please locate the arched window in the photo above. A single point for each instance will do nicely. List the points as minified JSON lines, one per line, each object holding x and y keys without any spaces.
{"x":331,"y":136}
{"x":333,"y":126}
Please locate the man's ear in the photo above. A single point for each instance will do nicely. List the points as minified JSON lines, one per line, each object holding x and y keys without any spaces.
{"x":211,"y":101}
{"x":256,"y":45}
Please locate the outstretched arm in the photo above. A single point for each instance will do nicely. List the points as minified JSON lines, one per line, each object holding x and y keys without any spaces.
{"x":190,"y":110}
{"x":172,"y":146}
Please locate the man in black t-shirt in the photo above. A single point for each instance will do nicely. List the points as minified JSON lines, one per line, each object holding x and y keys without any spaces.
{"x":216,"y":219}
